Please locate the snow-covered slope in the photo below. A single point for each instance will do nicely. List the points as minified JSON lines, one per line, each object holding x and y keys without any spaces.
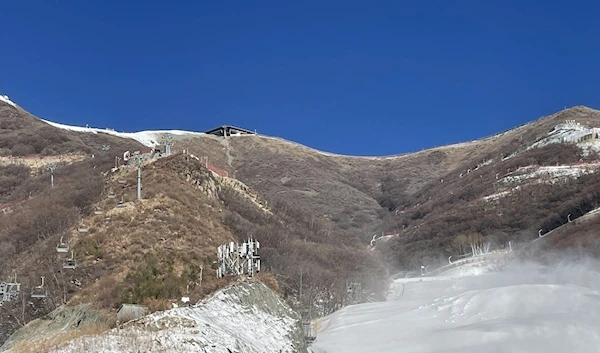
{"x":248,"y":318}
{"x":572,"y":132}
{"x":5,"y":99}
{"x":525,"y":308}
{"x":147,"y":138}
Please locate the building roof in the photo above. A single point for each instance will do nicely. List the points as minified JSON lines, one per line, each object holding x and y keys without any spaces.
{"x":226,"y":130}
{"x":132,"y":306}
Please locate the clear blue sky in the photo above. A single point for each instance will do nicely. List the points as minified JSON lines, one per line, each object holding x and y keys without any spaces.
{"x":363,"y":78}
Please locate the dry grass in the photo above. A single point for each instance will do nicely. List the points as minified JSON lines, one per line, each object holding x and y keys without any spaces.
{"x":316,"y":201}
{"x":357,"y":194}
{"x":176,"y":227}
{"x":56,"y":339}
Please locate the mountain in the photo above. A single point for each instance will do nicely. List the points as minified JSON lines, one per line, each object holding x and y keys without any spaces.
{"x":151,"y":251}
{"x":319,"y":217}
{"x":504,"y":187}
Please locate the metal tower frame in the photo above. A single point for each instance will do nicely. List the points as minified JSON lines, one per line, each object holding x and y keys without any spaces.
{"x":238,"y":259}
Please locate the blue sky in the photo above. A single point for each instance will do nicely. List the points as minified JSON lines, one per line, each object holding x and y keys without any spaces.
{"x":361,"y":78}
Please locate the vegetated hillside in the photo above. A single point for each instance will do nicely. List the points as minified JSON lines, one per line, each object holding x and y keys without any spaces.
{"x":437,"y":190}
{"x":22,"y":134}
{"x":152,"y":251}
{"x":312,"y":212}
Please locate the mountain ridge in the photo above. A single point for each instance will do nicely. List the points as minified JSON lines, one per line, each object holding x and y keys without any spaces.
{"x":315,"y":213}
{"x":148,"y":141}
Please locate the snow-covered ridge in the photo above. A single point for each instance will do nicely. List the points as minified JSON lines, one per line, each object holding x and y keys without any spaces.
{"x":148,"y":138}
{"x":5,"y":99}
{"x":247,"y":318}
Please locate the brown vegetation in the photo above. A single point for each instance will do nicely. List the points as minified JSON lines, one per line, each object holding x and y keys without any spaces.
{"x":322,"y":211}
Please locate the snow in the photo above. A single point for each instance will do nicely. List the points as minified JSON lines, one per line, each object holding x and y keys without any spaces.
{"x":5,"y":99}
{"x":498,"y":195}
{"x":524,"y":308}
{"x":147,"y":138}
{"x":551,"y":173}
{"x":571,"y":132}
{"x":225,"y":323}
{"x":566,"y":133}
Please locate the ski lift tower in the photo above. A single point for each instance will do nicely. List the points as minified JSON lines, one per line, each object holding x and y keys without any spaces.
{"x":139,"y":178}
{"x":52,"y":168}
{"x":168,"y":143}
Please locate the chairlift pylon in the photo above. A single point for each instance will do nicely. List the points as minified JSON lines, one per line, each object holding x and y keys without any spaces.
{"x":62,"y":246}
{"x":70,"y":263}
{"x":39,"y":291}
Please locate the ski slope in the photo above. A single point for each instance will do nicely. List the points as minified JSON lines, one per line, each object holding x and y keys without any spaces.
{"x":524,"y":308}
{"x":148,"y":138}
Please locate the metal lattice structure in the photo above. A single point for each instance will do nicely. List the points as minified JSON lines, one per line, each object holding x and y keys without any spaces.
{"x":238,"y":259}
{"x":167,"y":141}
{"x":9,"y":291}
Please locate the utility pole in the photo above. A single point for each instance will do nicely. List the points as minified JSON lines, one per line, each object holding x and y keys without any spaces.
{"x":51,"y":168}
{"x":139,"y":179}
{"x":300,"y":290}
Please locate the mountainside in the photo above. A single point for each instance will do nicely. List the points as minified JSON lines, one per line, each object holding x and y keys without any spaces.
{"x":158,"y":249}
{"x":505,"y":187}
{"x":314,"y":213}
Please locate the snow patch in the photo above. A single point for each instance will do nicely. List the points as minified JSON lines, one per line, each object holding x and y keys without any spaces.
{"x":5,"y":99}
{"x":550,"y":174}
{"x":225,"y":323}
{"x":147,"y":138}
